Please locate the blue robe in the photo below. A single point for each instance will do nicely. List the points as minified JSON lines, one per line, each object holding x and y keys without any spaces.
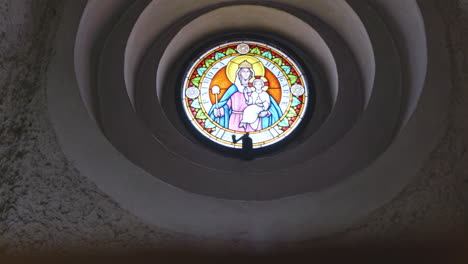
{"x":267,"y":121}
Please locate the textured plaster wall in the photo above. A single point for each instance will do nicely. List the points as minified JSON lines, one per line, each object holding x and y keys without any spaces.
{"x":45,"y":204}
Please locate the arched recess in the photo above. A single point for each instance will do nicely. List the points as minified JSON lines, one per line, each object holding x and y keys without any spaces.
{"x":293,"y":217}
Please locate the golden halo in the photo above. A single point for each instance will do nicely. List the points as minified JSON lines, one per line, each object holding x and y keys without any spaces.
{"x":233,"y":66}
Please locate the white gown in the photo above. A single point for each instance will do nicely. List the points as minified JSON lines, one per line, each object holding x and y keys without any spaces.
{"x":252,"y":111}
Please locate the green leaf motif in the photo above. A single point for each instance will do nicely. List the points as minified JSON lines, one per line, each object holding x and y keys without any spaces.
{"x":284,"y":123}
{"x":278,"y":61}
{"x":267,"y":54}
{"x":293,"y":79}
{"x":219,"y":55}
{"x":256,"y":50}
{"x":201,"y":115}
{"x":196,"y":104}
{"x":209,"y":62}
{"x":230,"y":52}
{"x":196,"y":81}
{"x":209,"y":124}
{"x":286,"y":69}
{"x":295,"y":102}
{"x":201,"y":71}
{"x":291,"y":113}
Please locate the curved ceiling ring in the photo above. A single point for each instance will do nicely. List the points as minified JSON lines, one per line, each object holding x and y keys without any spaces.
{"x":126,"y":132}
{"x":154,"y":19}
{"x":97,"y":21}
{"x":375,"y":130}
{"x":242,"y":18}
{"x":343,"y":119}
{"x":236,"y":185}
{"x":413,"y":47}
{"x":258,"y":223}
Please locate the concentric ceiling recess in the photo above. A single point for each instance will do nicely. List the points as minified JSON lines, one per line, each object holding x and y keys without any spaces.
{"x":367,"y":61}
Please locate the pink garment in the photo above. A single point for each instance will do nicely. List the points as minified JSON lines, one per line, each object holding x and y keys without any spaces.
{"x":237,"y":104}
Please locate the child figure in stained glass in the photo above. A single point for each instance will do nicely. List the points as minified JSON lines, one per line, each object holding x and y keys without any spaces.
{"x":258,"y":101}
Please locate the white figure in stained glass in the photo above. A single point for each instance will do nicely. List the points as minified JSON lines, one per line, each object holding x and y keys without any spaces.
{"x":229,"y":110}
{"x":258,"y":101}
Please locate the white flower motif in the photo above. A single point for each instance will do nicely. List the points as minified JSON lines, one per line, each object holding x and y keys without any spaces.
{"x":297,"y":90}
{"x":243,"y":48}
{"x":192,"y":92}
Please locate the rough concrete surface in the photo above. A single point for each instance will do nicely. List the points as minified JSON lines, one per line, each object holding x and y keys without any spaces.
{"x":45,"y":204}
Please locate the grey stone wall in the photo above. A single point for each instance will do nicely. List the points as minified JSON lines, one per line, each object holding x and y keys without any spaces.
{"x":46,"y":205}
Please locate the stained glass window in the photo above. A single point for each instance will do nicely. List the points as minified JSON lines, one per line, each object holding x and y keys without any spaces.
{"x":241,"y":87}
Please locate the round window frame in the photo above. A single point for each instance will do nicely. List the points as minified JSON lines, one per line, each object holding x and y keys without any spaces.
{"x":288,"y":48}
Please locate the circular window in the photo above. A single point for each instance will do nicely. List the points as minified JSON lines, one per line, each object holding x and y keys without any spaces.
{"x":245,"y":87}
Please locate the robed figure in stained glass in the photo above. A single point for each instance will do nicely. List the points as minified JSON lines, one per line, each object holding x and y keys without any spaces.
{"x":229,"y":110}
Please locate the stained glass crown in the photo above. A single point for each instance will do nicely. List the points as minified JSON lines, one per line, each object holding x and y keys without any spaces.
{"x":245,"y":64}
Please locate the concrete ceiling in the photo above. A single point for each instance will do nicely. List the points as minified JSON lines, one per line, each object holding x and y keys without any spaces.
{"x":380,"y":85}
